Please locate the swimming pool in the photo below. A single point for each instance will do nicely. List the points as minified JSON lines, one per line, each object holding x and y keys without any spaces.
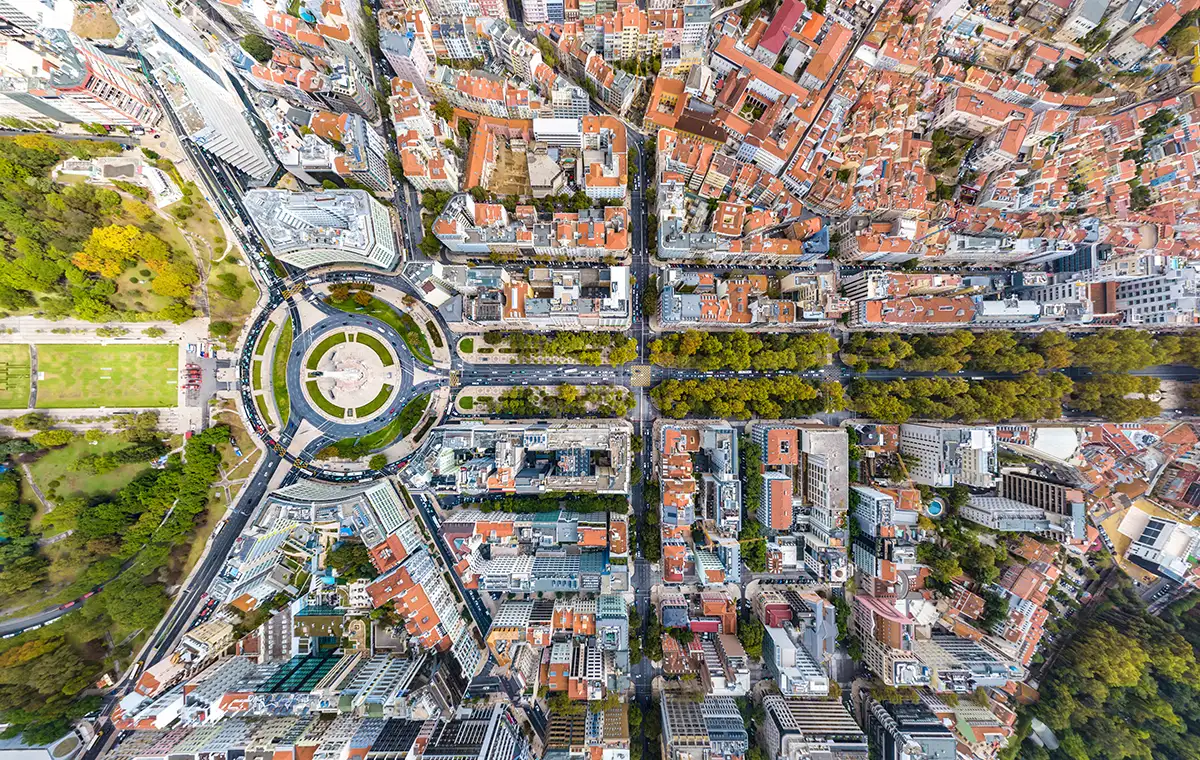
{"x":935,"y":507}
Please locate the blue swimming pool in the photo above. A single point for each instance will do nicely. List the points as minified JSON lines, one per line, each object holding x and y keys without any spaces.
{"x":935,"y":507}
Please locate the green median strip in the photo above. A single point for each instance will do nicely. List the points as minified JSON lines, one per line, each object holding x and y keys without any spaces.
{"x":261,"y":348}
{"x":279,"y":372}
{"x":261,"y":402}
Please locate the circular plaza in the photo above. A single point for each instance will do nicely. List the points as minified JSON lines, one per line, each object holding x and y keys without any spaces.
{"x":350,"y":374}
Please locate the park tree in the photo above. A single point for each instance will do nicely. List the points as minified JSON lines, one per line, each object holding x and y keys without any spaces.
{"x":362,"y":298}
{"x":52,"y":438}
{"x":221,"y":328}
{"x":32,"y":421}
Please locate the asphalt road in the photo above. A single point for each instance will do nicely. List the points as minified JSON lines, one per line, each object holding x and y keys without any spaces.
{"x":188,"y":599}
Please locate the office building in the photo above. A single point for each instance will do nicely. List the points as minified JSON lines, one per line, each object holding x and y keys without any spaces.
{"x":907,"y":730}
{"x":801,"y":729}
{"x":327,"y":227}
{"x":475,"y":458}
{"x":208,"y":105}
{"x":711,"y":729}
{"x":945,"y":455}
{"x":962,"y":665}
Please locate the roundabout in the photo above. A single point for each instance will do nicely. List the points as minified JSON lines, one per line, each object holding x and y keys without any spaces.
{"x":352,"y":383}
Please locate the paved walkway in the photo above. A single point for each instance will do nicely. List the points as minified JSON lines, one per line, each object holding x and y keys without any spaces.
{"x":39,"y":330}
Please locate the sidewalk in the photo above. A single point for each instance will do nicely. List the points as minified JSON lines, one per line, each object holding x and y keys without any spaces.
{"x":39,"y":330}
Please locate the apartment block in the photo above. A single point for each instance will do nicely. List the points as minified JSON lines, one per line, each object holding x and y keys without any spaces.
{"x":691,"y":298}
{"x":946,"y":455}
{"x":540,"y":298}
{"x":475,"y":458}
{"x":482,"y":229}
{"x":62,"y":77}
{"x":887,"y":633}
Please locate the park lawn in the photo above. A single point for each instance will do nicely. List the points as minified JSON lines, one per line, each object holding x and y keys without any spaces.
{"x":466,"y":402}
{"x":467,"y":345}
{"x":415,"y":339}
{"x":137,"y":296}
{"x":401,"y":323}
{"x":72,"y":377}
{"x":376,"y":345}
{"x":211,"y":518}
{"x":400,"y":426}
{"x":256,"y":375}
{"x":243,"y":470}
{"x":225,"y":309}
{"x":374,"y":404}
{"x":236,"y":431}
{"x":283,"y":348}
{"x":323,"y":347}
{"x":327,"y":406}
{"x":14,"y":376}
{"x":55,"y":465}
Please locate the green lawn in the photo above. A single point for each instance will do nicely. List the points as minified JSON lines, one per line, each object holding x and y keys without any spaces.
{"x":401,"y":323}
{"x":110,"y":376}
{"x":279,"y":372}
{"x":327,"y":406}
{"x":466,"y":345}
{"x":263,"y":338}
{"x":373,"y":406}
{"x":14,"y":376}
{"x":323,"y":347}
{"x":55,"y":465}
{"x":466,"y":402}
{"x":376,"y":345}
{"x":256,"y":375}
{"x":415,"y":339}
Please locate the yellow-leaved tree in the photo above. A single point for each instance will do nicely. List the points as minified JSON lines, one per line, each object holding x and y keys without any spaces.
{"x":109,"y":250}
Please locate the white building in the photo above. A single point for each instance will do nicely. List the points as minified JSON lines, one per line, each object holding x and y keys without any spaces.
{"x":944,"y":455}
{"x":1164,"y":547}
{"x":1166,"y":298}
{"x":204,"y":99}
{"x":795,"y":670}
{"x":1085,"y":16}
{"x":67,"y":79}
{"x":329,"y":227}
